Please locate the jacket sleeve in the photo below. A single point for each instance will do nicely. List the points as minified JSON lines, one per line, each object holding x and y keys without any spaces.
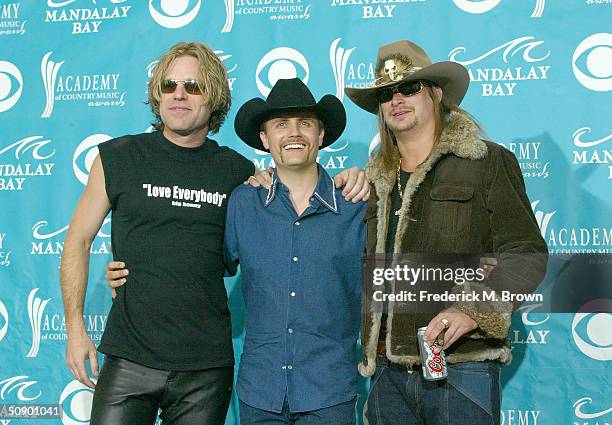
{"x":518,"y":247}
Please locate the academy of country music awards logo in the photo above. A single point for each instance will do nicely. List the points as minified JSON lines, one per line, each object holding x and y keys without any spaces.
{"x":50,"y":327}
{"x":275,"y":10}
{"x":10,"y":21}
{"x":5,"y":259}
{"x":11,"y":85}
{"x":588,"y":149}
{"x":349,"y":74}
{"x":592,"y":62}
{"x":516,"y":417}
{"x":529,"y":155}
{"x":338,"y":58}
{"x":484,"y":6}
{"x":93,"y":90}
{"x":25,"y":159}
{"x":571,"y":240}
{"x":375,"y":11}
{"x":503,"y":78}
{"x":86,"y":16}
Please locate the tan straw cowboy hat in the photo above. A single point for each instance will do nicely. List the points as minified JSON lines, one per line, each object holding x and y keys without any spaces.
{"x":405,"y":61}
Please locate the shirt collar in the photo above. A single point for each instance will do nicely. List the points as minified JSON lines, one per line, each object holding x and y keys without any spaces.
{"x":325,"y":192}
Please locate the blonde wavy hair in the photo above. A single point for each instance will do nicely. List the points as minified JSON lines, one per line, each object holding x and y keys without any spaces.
{"x":212,"y":80}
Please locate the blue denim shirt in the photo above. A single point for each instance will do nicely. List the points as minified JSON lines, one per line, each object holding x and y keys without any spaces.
{"x":301,"y":281}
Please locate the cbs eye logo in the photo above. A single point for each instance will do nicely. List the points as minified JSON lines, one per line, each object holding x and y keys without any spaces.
{"x":11,"y":84}
{"x":592,"y":62}
{"x":471,"y":6}
{"x":4,"y":320}
{"x":174,"y":13}
{"x":591,"y":332}
{"x":282,"y":62}
{"x":85,"y":154}
{"x":75,"y":402}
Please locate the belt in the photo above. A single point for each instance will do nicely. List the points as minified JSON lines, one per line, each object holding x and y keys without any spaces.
{"x":382,"y":360}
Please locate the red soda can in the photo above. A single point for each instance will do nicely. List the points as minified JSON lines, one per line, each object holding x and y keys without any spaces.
{"x":434,"y":365}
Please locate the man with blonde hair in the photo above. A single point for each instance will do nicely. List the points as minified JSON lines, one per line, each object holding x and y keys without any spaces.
{"x":439,"y":191}
{"x":168,"y":337}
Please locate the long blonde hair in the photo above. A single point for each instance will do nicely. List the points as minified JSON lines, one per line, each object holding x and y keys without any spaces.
{"x":442,"y":108}
{"x":213,"y":78}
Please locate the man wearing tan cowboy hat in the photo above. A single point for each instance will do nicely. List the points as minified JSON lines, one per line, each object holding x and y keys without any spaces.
{"x":437,"y":188}
{"x":302,"y":290}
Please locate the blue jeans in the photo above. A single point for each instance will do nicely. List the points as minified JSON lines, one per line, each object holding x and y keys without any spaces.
{"x":470,"y":395}
{"x":339,"y":414}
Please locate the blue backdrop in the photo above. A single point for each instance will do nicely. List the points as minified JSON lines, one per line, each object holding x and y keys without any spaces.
{"x":73,"y":73}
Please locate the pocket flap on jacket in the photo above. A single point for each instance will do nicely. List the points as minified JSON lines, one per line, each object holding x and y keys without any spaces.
{"x":371,"y":212}
{"x":451,"y":193}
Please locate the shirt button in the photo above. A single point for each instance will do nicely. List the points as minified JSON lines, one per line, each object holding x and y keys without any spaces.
{"x":284,"y":367}
{"x":290,"y":330}
{"x":297,"y":223}
{"x":295,"y":259}
{"x":293,"y":294}
{"x":289,"y":367}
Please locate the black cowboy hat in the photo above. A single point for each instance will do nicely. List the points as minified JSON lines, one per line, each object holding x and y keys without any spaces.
{"x":289,"y":95}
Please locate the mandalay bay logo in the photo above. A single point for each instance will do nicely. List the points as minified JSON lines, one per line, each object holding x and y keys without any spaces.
{"x":371,"y":10}
{"x":85,"y":20}
{"x":503,"y":78}
{"x":23,"y":160}
{"x":274,"y":10}
{"x":331,"y":157}
{"x":588,"y":149}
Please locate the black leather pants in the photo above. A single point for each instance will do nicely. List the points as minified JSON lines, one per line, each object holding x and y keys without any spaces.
{"x":131,"y":394}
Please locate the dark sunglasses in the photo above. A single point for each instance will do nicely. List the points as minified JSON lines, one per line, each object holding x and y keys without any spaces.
{"x":190,"y":86}
{"x":409,"y":88}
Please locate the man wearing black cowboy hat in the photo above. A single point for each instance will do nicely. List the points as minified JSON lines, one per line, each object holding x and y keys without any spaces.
{"x":302,"y":289}
{"x":437,"y":188}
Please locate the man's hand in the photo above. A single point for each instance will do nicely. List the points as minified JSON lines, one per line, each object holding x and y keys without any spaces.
{"x":116,"y":275}
{"x":455,"y":322}
{"x":261,"y":178}
{"x":355,"y":184}
{"x":80,"y":349}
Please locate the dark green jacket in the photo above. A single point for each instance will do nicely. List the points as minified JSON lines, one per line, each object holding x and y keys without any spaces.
{"x":468,"y":197}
